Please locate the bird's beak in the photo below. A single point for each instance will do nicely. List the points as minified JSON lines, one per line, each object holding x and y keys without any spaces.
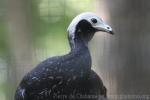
{"x":105,"y":28}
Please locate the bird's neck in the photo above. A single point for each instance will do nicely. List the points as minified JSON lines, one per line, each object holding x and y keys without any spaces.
{"x":79,"y":48}
{"x":78,"y":44}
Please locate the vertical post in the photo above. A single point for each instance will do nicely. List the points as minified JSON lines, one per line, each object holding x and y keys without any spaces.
{"x":128,"y":52}
{"x":19,"y":39}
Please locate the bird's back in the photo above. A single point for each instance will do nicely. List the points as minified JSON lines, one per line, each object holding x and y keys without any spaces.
{"x":59,"y":78}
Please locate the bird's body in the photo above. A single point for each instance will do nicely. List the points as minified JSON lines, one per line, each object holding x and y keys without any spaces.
{"x":67,"y":77}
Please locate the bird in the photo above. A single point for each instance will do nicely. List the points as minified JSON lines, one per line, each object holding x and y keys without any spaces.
{"x":70,"y":76}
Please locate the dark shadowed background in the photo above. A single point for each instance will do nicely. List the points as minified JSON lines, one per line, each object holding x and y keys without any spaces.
{"x":33,"y":30}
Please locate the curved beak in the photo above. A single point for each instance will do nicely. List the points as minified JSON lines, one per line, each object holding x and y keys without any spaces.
{"x":105,"y":28}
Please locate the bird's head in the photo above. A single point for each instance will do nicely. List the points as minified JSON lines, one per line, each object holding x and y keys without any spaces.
{"x":85,"y":25}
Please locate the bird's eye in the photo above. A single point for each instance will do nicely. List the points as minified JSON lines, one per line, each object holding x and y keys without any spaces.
{"x":94,"y":20}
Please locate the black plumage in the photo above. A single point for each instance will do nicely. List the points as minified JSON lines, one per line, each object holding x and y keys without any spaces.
{"x":67,"y":77}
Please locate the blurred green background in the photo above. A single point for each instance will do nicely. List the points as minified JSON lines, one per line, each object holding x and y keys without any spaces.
{"x":33,"y":30}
